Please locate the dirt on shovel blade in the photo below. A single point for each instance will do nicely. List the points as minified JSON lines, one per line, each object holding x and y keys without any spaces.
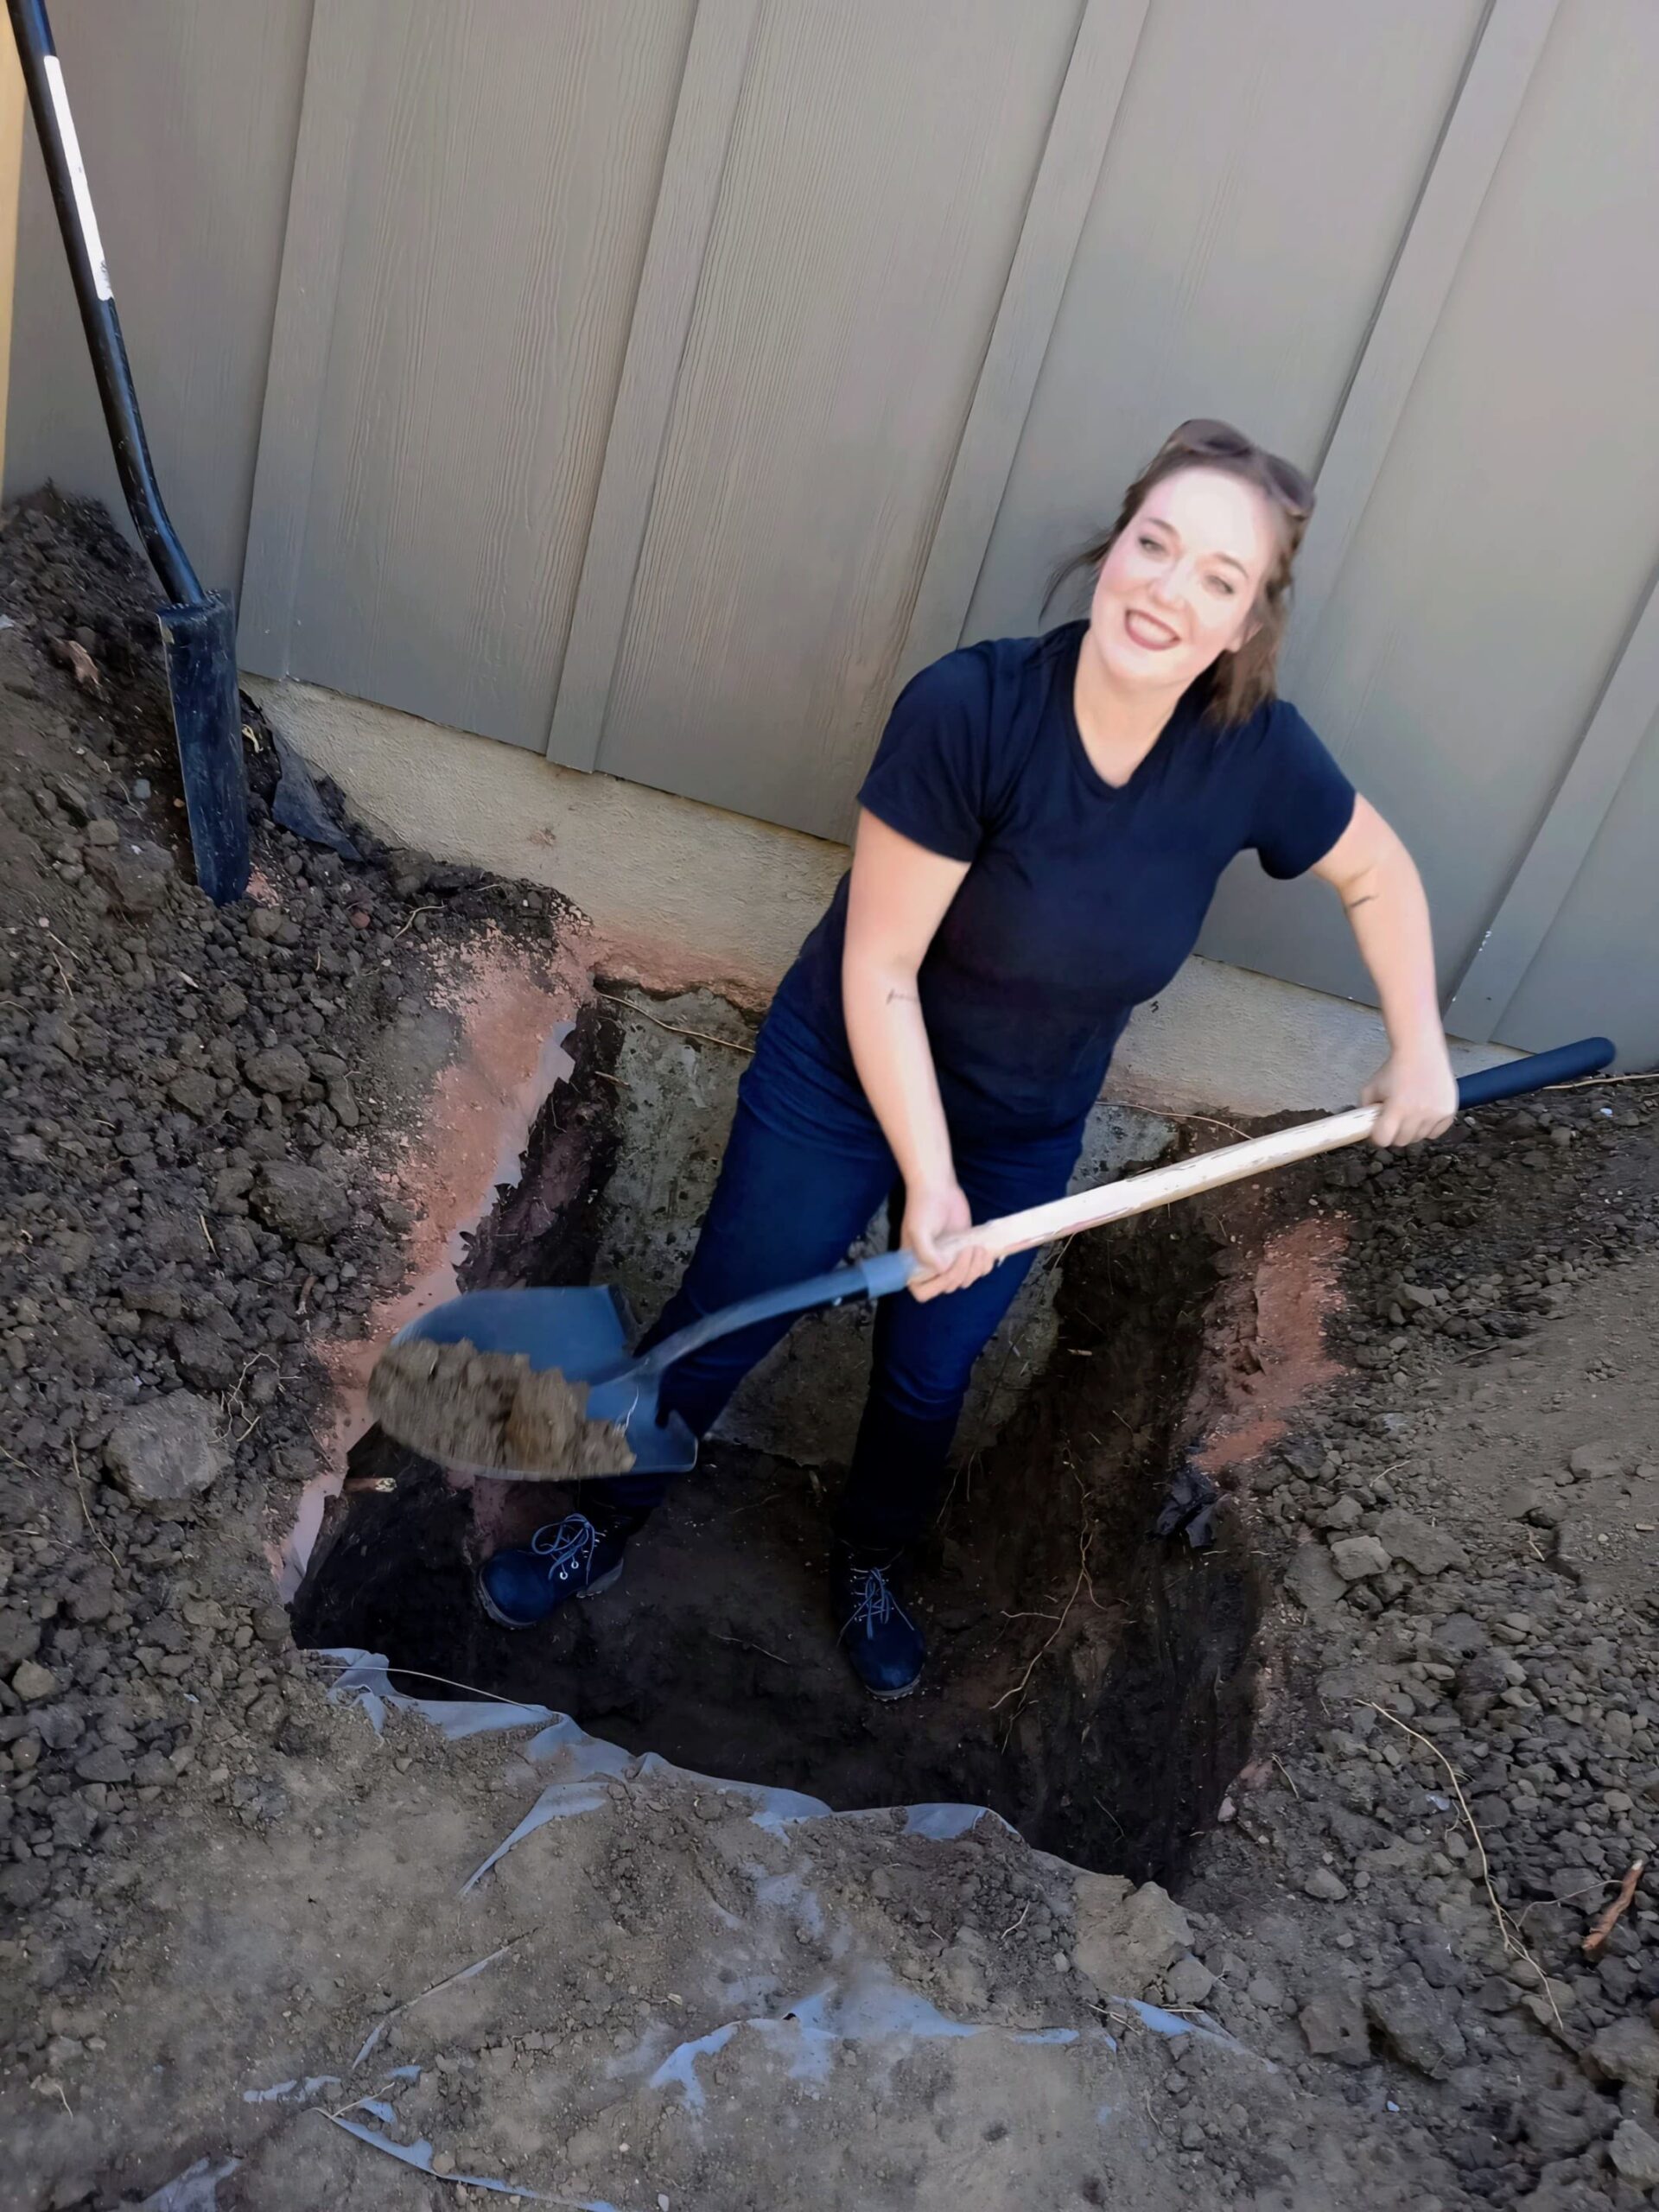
{"x":491,"y":1410}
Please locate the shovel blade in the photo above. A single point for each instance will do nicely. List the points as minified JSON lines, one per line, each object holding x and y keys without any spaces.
{"x":199,"y":648}
{"x":584,"y":1333}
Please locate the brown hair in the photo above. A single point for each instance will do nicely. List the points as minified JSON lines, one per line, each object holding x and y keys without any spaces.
{"x":1242,"y":680}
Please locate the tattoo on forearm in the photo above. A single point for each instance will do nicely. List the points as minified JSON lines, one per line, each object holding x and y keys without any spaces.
{"x":1364,"y":899}
{"x":896,"y":997}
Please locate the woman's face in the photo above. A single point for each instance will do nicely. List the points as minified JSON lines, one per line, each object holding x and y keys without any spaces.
{"x":1180,"y":585}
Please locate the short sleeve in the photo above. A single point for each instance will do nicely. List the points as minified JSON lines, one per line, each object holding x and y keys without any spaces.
{"x":930,"y":780}
{"x":1303,"y":802}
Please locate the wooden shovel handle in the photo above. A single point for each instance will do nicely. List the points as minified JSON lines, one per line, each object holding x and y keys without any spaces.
{"x":1162,"y":1186}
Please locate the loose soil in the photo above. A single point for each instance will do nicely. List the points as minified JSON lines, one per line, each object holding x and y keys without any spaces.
{"x":1409,"y":1701}
{"x":491,"y":1410}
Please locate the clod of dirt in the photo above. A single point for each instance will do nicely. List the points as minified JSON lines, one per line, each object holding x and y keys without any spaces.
{"x":491,"y":1410}
{"x":166,"y":1453}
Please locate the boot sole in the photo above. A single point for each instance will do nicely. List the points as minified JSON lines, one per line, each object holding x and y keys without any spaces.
{"x":487,"y":1605}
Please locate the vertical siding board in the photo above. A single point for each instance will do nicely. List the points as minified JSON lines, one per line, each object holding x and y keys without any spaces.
{"x":870,"y":209}
{"x":12,"y":110}
{"x":1507,"y":546}
{"x":1262,"y":166}
{"x":1500,"y":67}
{"x":686,"y":199}
{"x":432,"y":496}
{"x":1598,"y":966}
{"x":342,"y":48}
{"x":1084,"y":117}
{"x":1553,"y":861}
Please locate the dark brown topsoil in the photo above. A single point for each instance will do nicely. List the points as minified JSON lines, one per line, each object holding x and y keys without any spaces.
{"x":191,"y":1097}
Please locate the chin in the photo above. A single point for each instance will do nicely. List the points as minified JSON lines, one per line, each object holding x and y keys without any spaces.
{"x":1135,"y":669}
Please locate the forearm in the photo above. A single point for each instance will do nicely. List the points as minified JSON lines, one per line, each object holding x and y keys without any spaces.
{"x":1389,"y":915}
{"x":895,"y":1061}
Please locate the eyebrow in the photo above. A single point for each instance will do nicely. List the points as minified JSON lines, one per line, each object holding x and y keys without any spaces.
{"x":1157,"y":522}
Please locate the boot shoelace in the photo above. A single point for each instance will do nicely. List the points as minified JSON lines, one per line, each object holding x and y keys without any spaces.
{"x":873,"y":1602}
{"x":566,"y":1544}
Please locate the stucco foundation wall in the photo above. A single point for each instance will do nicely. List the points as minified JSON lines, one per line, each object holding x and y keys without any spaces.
{"x":681,"y":894}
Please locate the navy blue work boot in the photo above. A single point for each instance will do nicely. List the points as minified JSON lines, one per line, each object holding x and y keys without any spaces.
{"x":886,"y":1648}
{"x":576,"y":1557}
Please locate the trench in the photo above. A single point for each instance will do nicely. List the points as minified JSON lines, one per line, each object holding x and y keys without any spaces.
{"x":1094,"y":1685}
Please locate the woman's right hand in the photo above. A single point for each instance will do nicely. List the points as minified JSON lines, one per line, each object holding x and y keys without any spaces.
{"x":933,"y":1213}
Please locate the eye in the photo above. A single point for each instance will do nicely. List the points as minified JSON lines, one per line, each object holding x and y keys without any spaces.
{"x":1149,"y":544}
{"x":1224,"y":585}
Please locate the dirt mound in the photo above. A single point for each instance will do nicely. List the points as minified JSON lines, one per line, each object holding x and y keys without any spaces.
{"x":191,"y":1137}
{"x":491,"y":1410}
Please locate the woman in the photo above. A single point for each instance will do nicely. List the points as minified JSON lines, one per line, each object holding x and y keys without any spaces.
{"x":1039,"y":841}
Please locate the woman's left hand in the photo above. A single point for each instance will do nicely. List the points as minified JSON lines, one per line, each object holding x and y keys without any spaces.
{"x":1418,"y":1094}
{"x":935,"y":1216}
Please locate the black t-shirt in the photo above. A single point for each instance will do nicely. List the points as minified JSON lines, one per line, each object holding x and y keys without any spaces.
{"x":1081,"y":898}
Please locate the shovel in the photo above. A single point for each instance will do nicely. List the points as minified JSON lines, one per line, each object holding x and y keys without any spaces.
{"x":582,"y":1334}
{"x":198,"y":629}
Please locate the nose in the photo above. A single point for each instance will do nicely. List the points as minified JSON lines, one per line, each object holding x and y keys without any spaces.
{"x":1166,"y":585}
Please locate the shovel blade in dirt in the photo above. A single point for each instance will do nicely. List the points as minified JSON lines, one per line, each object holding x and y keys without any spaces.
{"x":199,"y":648}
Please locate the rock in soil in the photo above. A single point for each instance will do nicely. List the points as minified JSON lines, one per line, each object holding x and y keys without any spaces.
{"x":167,"y":1453}
{"x":1127,"y":1938}
{"x":1634,"y":2155}
{"x":1333,"y":2026}
{"x":1417,"y":2025}
{"x":1357,"y":1558}
{"x":1627,"y":2051}
{"x":302,"y":1203}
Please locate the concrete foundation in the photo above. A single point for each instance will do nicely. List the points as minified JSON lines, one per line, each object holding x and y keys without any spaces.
{"x":681,"y":894}
{"x":677,"y":893}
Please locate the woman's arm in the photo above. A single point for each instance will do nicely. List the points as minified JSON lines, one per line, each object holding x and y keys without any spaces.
{"x":1382,"y":895}
{"x":896,"y":901}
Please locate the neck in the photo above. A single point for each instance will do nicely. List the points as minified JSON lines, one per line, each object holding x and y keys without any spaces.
{"x":1118,"y":727}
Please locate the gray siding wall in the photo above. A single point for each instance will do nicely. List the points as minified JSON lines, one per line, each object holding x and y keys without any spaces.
{"x":471,"y":205}
{"x":187,"y":113}
{"x":657,"y":383}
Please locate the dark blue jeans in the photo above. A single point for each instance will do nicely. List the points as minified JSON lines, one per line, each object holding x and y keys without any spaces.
{"x":806,"y":1168}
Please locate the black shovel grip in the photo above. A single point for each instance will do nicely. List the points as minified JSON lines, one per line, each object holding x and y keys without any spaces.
{"x":1565,"y":1063}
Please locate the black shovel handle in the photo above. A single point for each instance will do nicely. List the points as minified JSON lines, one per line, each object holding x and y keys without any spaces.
{"x":877,"y":1277}
{"x":1563,"y":1063}
{"x":198,"y":627}
{"x":72,"y":199}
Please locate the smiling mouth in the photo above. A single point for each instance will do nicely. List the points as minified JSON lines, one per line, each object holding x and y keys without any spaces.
{"x":1149,"y":633}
